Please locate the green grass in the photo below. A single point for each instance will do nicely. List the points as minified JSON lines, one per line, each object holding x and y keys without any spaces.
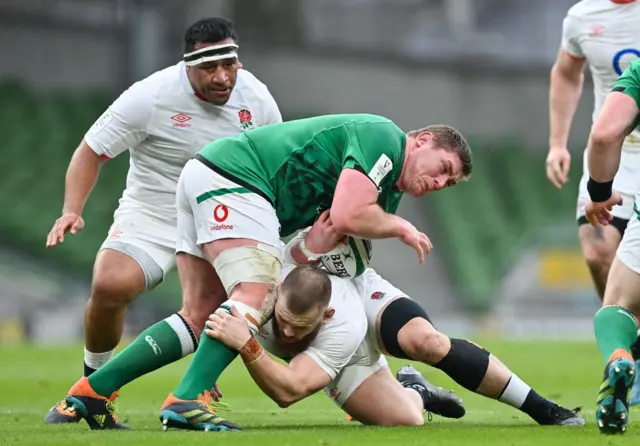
{"x":32,"y":379}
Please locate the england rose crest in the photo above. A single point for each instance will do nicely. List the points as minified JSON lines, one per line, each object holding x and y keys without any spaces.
{"x":245,"y":118}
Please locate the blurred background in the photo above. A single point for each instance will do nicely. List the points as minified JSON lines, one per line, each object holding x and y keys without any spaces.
{"x":506,"y":261}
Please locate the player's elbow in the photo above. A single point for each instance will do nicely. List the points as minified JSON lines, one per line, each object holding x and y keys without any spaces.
{"x":284,"y":402}
{"x":342,"y":220}
{"x":346,"y":219}
{"x":289,"y":397}
{"x":294,"y":392}
{"x":566,"y":76}
{"x":603,"y":136}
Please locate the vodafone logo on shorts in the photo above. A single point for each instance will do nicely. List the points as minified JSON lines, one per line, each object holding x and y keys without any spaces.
{"x":220,"y":214}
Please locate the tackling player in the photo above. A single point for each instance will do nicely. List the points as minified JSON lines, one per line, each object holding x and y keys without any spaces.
{"x":162,"y":121}
{"x":616,"y":323}
{"x":320,"y":340}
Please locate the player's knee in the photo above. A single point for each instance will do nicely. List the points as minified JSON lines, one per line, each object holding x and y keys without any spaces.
{"x":598,"y":257}
{"x":466,"y":363}
{"x":198,"y":302}
{"x":420,"y":340}
{"x":400,"y":325}
{"x":114,"y":290}
{"x":598,"y":251}
{"x":118,"y":278}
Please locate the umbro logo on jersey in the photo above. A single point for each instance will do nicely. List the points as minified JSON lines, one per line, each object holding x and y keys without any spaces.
{"x":181,"y":120}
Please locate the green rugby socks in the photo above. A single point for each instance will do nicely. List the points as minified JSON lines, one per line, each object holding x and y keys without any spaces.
{"x":615,"y":329}
{"x":210,"y":360}
{"x":163,"y":343}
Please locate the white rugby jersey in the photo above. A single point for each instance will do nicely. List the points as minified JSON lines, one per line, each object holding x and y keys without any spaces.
{"x":607,"y":34}
{"x":162,"y":123}
{"x":341,"y":340}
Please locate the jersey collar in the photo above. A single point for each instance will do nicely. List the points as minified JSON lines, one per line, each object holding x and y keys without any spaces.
{"x":622,"y":2}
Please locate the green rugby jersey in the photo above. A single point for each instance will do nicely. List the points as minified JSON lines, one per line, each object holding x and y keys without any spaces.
{"x":296,"y":164}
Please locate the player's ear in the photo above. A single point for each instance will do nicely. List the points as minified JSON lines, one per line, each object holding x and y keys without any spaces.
{"x":328,"y":314}
{"x":423,"y":138}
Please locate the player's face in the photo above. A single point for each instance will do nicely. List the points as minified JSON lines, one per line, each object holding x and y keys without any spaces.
{"x":296,"y":332}
{"x":214,"y":80}
{"x":430,"y":168}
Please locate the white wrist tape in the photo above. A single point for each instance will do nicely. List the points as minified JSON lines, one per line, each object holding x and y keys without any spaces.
{"x":298,"y":239}
{"x":287,"y":257}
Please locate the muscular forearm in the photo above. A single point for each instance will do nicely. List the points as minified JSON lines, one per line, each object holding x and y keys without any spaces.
{"x":81,"y":177}
{"x":276,"y":380}
{"x":604,"y":157}
{"x":564,"y":96}
{"x":369,"y":222}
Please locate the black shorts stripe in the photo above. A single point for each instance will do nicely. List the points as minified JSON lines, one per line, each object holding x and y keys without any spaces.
{"x":619,"y":223}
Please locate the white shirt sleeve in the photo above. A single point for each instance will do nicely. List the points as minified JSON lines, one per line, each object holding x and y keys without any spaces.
{"x":333,"y":349}
{"x":125,"y":123}
{"x":571,"y":37}
{"x":270,"y":111}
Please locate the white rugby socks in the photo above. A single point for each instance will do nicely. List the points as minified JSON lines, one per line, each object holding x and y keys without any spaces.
{"x":515,"y":393}
{"x":93,"y":361}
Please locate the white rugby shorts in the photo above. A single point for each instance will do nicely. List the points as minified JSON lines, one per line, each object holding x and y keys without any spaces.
{"x":629,"y":249}
{"x":626,"y":181}
{"x":376,"y":293}
{"x":212,"y":207}
{"x":150,"y":241}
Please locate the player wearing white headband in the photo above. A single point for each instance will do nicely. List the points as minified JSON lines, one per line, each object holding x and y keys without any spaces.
{"x":162,"y":121}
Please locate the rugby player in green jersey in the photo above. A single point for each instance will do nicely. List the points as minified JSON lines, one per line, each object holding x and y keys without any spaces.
{"x":241,"y":195}
{"x":616,"y":323}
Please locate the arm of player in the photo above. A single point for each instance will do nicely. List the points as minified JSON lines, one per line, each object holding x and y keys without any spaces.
{"x":121,"y":127}
{"x":372,"y":152}
{"x":321,"y":239}
{"x":355,"y":212}
{"x":288,"y":385}
{"x":567,"y":77}
{"x":617,"y":118}
{"x":82,"y":175}
{"x":283,"y":384}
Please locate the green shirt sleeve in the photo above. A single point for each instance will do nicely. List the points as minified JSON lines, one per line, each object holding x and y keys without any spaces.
{"x":376,"y":149}
{"x":629,"y":82}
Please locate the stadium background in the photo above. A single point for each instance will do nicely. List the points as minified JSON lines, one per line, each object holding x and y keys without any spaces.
{"x":506,"y":261}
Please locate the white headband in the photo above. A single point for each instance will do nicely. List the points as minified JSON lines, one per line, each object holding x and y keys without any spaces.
{"x":211,"y":53}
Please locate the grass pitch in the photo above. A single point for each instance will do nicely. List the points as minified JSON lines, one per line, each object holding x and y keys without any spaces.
{"x":32,"y":379}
